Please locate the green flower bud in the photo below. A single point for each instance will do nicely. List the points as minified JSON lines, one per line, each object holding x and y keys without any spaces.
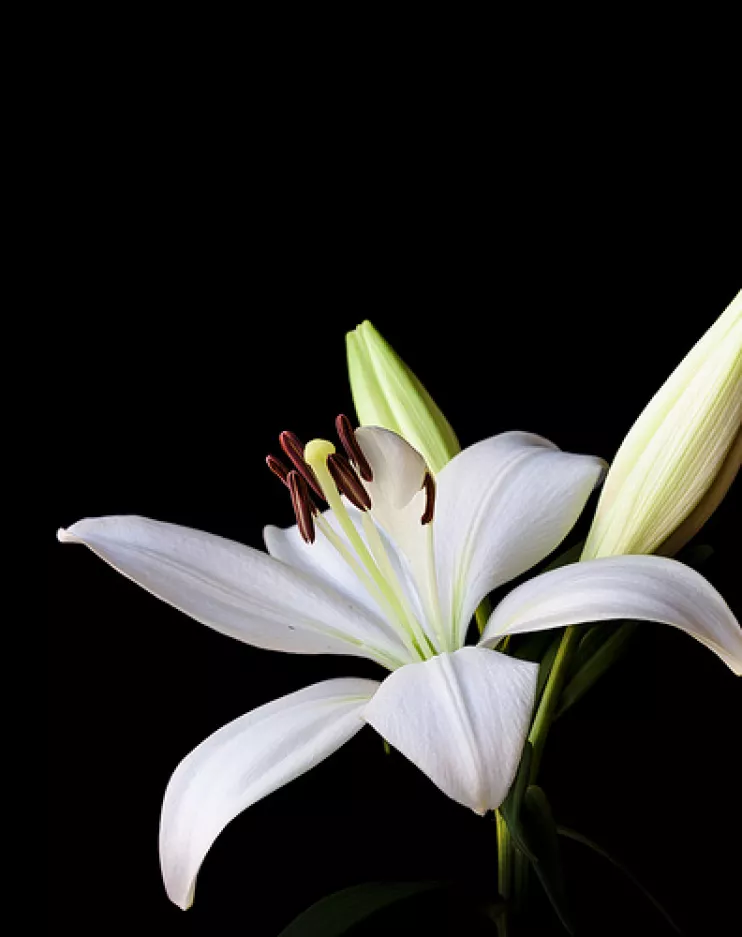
{"x":680,"y":456}
{"x":386,"y":393}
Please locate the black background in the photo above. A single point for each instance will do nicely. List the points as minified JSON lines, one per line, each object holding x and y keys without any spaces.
{"x":207,"y":261}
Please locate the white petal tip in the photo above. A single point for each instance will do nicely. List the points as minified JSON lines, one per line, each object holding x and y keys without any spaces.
{"x":603,"y":472}
{"x":183,"y":903}
{"x":64,"y":536}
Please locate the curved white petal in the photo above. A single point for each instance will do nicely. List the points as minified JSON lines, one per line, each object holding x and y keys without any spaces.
{"x":502,"y":506}
{"x":462,"y":718}
{"x":237,"y":590}
{"x":397,"y":467}
{"x":245,"y":760}
{"x":647,"y":588}
{"x":398,"y":503}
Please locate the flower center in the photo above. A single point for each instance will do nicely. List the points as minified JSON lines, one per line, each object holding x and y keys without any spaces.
{"x":319,"y":471}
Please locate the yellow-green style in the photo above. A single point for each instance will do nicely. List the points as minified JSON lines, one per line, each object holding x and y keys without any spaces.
{"x":681,"y":455}
{"x":386,"y":393}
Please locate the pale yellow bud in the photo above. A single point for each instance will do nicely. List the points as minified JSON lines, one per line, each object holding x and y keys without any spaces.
{"x":671,"y":465}
{"x":386,"y":393}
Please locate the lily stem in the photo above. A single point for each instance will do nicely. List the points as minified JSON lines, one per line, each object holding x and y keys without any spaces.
{"x":550,"y":698}
{"x":504,"y":871}
{"x":504,"y":856}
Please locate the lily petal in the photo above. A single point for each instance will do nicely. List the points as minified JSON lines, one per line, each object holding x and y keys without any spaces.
{"x":236,"y":590}
{"x":462,"y":718}
{"x":398,"y":502}
{"x":502,"y":506}
{"x":398,"y":468}
{"x":322,"y":560}
{"x":647,"y":588}
{"x":243,"y":762}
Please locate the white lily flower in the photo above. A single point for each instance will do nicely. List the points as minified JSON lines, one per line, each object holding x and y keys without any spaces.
{"x":394,"y":577}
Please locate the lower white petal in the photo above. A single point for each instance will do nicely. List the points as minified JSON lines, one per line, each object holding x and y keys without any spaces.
{"x":245,"y":760}
{"x":647,"y":588}
{"x":236,"y":590}
{"x":462,"y":718}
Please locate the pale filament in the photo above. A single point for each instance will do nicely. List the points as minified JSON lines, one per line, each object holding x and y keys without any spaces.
{"x":372,"y":566}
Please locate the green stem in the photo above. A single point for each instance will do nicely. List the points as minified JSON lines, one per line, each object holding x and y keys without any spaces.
{"x":504,"y":870}
{"x":550,"y":698}
{"x":504,"y":856}
{"x":520,"y":880}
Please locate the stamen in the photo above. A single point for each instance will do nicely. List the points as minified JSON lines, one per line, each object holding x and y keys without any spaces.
{"x":291,"y":445}
{"x":278,"y":468}
{"x":353,"y":450}
{"x":348,"y":482}
{"x":302,"y":505}
{"x":429,"y":486}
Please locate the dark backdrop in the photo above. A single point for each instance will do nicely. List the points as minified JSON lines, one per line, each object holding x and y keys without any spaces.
{"x":207,"y":279}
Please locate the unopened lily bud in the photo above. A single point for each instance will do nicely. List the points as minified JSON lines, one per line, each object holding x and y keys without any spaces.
{"x":681,"y":455}
{"x":386,"y":393}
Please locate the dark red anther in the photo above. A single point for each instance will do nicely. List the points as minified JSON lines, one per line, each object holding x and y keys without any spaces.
{"x":302,"y":504}
{"x":291,"y":445}
{"x":278,"y":468}
{"x":348,"y":482}
{"x":429,"y":487}
{"x":352,"y":449}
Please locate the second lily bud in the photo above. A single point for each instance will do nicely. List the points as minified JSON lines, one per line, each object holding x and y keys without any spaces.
{"x":681,"y":455}
{"x":386,"y":393}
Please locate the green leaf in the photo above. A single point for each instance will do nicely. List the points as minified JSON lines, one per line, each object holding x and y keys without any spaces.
{"x":336,"y":914}
{"x":579,"y":838}
{"x":594,"y":668}
{"x":511,"y":806}
{"x":541,"y":834}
